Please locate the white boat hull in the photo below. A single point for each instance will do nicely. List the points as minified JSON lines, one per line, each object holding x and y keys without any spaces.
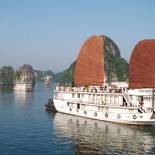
{"x":109,"y":114}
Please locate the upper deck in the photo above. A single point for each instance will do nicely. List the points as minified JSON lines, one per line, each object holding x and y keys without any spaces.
{"x":105,"y":96}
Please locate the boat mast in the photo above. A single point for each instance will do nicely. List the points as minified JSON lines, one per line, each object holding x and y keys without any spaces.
{"x":153,"y":99}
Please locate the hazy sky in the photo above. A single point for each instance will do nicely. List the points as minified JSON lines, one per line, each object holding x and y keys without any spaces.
{"x":48,"y":34}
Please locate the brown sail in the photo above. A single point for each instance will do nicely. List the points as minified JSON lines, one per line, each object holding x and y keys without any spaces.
{"x":142,"y":65}
{"x":89,"y":68}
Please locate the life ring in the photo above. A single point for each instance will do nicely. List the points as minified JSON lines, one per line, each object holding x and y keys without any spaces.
{"x":95,"y":113}
{"x":118,"y":116}
{"x":85,"y":112}
{"x":134,"y":117}
{"x":106,"y":114}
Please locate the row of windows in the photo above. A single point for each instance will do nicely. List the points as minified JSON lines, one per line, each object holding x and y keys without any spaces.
{"x":147,"y":98}
{"x":98,"y":96}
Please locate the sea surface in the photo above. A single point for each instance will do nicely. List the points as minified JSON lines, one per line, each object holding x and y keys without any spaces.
{"x":27,"y":128}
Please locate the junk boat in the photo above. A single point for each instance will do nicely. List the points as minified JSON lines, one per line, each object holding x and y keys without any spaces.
{"x":91,"y":97}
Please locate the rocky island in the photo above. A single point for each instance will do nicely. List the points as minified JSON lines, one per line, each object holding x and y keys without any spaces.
{"x":47,"y":80}
{"x":24,"y":78}
{"x":42,"y":76}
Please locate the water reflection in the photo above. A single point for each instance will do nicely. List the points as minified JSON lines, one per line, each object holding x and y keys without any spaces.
{"x":22,"y":97}
{"x":97,"y":137}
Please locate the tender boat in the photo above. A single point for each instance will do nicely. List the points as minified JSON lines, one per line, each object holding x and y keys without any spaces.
{"x":50,"y":105}
{"x":91,"y":97}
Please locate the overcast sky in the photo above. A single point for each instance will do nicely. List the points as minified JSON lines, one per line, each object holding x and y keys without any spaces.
{"x":48,"y":34}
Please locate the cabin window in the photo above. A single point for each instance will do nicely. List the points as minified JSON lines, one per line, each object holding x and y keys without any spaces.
{"x":145,"y":98}
{"x":72,"y":95}
{"x":78,"y":106}
{"x":78,"y":95}
{"x":141,"y":98}
{"x":93,"y":98}
{"x":98,"y":97}
{"x":82,"y":95}
{"x":89,"y":97}
{"x":148,"y":98}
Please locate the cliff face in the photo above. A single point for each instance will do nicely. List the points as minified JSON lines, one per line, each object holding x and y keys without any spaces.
{"x":115,"y":67}
{"x":25,"y":74}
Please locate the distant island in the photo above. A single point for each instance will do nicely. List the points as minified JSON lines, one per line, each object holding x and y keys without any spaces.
{"x":24,"y":78}
{"x":40,"y":75}
{"x":8,"y":76}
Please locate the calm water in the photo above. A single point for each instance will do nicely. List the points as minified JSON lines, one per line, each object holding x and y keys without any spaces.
{"x":26,"y":128}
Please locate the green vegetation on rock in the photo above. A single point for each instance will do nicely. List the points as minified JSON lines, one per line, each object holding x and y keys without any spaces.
{"x":65,"y":76}
{"x":115,"y":67}
{"x":7,"y":75}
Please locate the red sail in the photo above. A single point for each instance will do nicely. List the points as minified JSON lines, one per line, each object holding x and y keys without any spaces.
{"x":89,"y":68}
{"x":142,"y":65}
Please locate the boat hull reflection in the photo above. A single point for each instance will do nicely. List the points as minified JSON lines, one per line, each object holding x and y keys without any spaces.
{"x":98,"y":137}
